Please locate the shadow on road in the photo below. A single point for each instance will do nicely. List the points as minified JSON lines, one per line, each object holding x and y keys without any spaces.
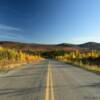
{"x":21,"y":91}
{"x":94,"y":85}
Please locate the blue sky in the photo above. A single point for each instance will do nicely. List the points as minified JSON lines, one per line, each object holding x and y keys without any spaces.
{"x":50,"y":21}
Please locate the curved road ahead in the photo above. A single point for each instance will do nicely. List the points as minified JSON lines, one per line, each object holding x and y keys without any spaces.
{"x":49,"y":80}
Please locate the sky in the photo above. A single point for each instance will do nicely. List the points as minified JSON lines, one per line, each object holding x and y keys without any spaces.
{"x":50,"y":21}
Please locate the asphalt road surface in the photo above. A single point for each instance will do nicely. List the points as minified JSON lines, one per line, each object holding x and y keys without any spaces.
{"x":49,"y":80}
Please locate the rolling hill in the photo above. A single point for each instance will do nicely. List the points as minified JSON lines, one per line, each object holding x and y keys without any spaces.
{"x":90,"y":45}
{"x":38,"y":47}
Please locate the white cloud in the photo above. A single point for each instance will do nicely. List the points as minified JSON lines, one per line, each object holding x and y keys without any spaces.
{"x":8,"y":28}
{"x":12,"y":36}
{"x":11,"y":33}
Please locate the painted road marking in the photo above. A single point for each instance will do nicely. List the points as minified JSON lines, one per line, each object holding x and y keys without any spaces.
{"x":52,"y":89}
{"x":49,"y":85}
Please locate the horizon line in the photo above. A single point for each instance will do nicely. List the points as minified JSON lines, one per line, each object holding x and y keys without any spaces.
{"x":47,"y":43}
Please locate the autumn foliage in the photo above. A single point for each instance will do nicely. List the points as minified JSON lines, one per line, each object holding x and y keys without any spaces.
{"x":87,"y":59}
{"x":14,"y":57}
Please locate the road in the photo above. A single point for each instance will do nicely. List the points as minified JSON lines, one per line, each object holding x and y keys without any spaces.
{"x":49,"y":80}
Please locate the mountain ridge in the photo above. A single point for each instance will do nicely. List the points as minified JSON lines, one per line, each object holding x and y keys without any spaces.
{"x":61,"y":46}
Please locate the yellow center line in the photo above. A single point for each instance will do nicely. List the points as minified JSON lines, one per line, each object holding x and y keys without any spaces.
{"x":49,"y":85}
{"x":52,"y":89}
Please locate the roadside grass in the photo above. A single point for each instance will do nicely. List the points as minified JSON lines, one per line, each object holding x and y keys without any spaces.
{"x":8,"y":67}
{"x":94,"y":69}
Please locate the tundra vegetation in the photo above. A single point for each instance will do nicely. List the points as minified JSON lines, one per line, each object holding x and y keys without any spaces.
{"x":89,"y":59}
{"x":11,"y":58}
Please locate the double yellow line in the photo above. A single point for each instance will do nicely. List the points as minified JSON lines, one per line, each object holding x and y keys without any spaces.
{"x":49,"y":95}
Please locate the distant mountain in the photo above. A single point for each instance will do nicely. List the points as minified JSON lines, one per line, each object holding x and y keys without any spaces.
{"x":90,"y":45}
{"x":49,"y":47}
{"x":38,"y":47}
{"x":67,"y":44}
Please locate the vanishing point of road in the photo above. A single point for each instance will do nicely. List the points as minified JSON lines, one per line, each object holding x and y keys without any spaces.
{"x":49,"y":80}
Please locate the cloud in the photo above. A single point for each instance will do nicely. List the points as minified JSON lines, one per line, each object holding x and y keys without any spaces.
{"x":12,"y":36}
{"x":8,"y":28}
{"x":11,"y":33}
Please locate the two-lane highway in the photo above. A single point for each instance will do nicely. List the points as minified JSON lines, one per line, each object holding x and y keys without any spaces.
{"x":49,"y":80}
